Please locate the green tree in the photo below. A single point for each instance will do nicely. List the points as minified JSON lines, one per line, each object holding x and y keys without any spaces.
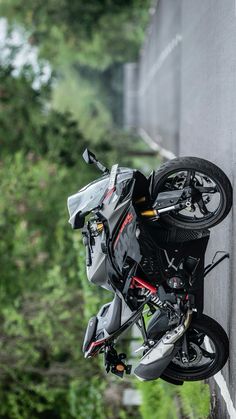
{"x":43,"y":286}
{"x":42,"y":371}
{"x":28,"y":123}
{"x":42,"y":310}
{"x":102,"y":31}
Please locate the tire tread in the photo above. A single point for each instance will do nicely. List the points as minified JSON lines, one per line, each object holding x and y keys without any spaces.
{"x":200,"y":165}
{"x":221,"y":337}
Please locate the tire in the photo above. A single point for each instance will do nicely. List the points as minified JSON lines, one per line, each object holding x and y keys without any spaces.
{"x":207,"y":169}
{"x":217,"y":335}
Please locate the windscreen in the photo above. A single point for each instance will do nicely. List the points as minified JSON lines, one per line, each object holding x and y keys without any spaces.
{"x":86,"y":199}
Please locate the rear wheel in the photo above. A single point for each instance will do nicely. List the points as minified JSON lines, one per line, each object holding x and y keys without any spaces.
{"x":211,"y":192}
{"x":208,"y":351}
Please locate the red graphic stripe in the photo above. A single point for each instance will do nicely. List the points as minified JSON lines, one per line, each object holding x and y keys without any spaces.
{"x":129,"y":217}
{"x":109,"y":193}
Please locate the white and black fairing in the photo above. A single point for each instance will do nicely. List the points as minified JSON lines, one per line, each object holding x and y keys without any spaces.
{"x":110,"y":199}
{"x":143,"y":263}
{"x":112,"y":317}
{"x":117,"y":246}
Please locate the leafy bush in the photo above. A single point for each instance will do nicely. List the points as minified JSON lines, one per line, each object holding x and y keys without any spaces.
{"x":158,"y":400}
{"x":96,"y":33}
{"x":163,"y":401}
{"x":195,"y":399}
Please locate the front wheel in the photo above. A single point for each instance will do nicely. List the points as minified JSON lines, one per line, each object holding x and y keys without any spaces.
{"x":211,"y":192}
{"x":208,"y":351}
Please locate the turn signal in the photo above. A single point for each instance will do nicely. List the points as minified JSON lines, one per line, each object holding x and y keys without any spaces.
{"x":120,"y":367}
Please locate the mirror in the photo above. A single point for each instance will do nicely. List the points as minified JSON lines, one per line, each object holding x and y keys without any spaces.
{"x":89,"y":157}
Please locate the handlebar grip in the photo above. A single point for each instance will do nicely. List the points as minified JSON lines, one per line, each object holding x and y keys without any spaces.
{"x":87,"y":249}
{"x":88,"y":256}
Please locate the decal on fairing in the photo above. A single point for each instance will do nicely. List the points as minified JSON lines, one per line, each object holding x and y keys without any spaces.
{"x":129,"y":217}
{"x":113,"y":174}
{"x":126,"y":243}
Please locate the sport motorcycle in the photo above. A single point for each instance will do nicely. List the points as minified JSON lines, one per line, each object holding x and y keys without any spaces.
{"x":145,"y":241}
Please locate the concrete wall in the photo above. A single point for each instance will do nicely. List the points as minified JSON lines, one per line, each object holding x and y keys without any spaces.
{"x":185,"y":96}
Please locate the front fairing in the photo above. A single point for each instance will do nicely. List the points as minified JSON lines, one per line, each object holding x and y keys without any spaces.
{"x":110,"y":199}
{"x":122,"y":246}
{"x":84,"y":201}
{"x":103,"y":253}
{"x":91,"y":196}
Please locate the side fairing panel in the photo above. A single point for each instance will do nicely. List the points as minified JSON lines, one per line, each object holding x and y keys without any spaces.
{"x":125,"y":245}
{"x":122,"y":223}
{"x":96,"y":272}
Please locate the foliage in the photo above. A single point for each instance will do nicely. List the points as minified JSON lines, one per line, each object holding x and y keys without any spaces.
{"x":42,"y":311}
{"x":42,"y":371}
{"x":83,"y":44}
{"x":42,"y":305}
{"x":117,"y":39}
{"x":195,"y":399}
{"x":21,"y":109}
{"x":82,"y":98}
{"x":103,"y":32}
{"x":43,"y":286}
{"x":158,"y":400}
{"x":27,"y":123}
{"x":162,"y":400}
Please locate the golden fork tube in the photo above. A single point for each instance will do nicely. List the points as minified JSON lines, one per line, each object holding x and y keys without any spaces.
{"x":149,"y":213}
{"x":99,"y":227}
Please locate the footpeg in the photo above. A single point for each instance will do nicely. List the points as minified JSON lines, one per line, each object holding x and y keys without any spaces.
{"x":114,"y":362}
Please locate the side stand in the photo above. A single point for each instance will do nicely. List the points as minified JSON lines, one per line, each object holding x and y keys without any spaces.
{"x":214,"y":263}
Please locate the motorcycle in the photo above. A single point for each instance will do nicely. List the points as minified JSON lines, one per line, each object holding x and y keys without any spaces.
{"x":145,"y":240}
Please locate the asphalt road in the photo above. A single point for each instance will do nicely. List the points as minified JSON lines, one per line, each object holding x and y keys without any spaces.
{"x":183,"y":94}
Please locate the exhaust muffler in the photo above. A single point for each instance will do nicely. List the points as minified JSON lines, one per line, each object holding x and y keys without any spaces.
{"x":156,"y":360}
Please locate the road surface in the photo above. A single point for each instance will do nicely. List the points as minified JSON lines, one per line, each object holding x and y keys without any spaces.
{"x":182,"y":94}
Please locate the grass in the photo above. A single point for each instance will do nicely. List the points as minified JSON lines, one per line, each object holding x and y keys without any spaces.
{"x":195,"y":399}
{"x":158,"y":400}
{"x":165,"y":401}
